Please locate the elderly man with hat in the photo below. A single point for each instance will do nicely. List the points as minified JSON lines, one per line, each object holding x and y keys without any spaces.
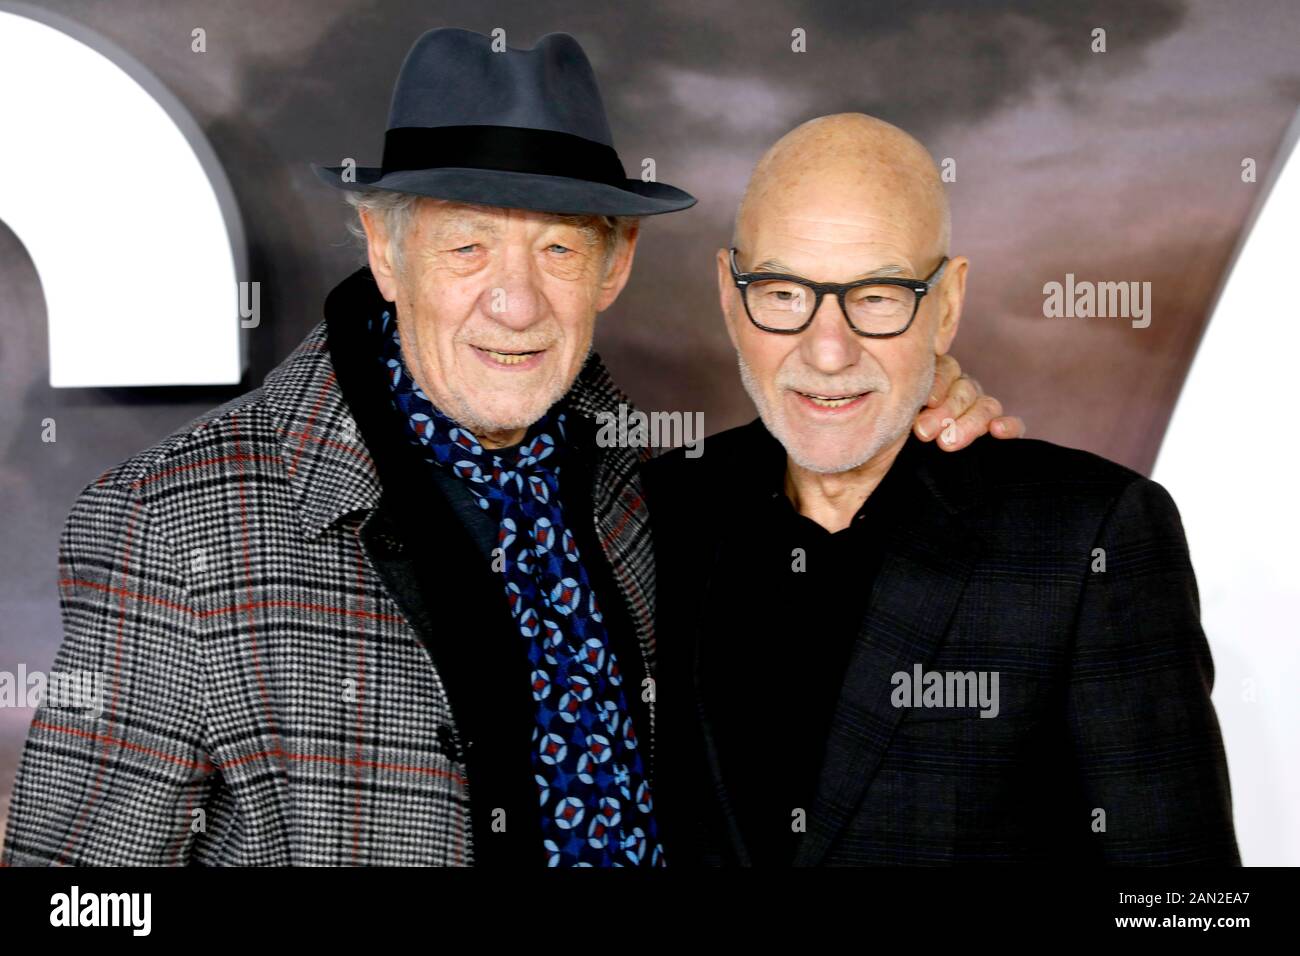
{"x":395,"y":606}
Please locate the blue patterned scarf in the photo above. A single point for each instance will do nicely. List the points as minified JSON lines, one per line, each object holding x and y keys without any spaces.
{"x":595,"y":802}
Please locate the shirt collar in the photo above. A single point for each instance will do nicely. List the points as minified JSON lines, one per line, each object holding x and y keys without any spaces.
{"x":770,"y":467}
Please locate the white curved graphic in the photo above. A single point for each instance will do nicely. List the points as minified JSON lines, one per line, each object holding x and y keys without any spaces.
{"x":123,"y":208}
{"x":1229,"y":459}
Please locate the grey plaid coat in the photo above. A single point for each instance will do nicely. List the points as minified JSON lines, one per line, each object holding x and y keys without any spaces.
{"x":266,"y":701}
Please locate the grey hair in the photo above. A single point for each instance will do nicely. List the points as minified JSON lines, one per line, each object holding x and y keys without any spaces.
{"x":397,"y":210}
{"x":394,"y":209}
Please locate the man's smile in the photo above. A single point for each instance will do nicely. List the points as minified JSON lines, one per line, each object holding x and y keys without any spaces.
{"x":513,"y":360}
{"x":832,"y":403}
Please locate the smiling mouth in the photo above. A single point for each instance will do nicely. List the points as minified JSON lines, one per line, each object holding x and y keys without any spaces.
{"x":508,"y":358}
{"x":830,"y":401}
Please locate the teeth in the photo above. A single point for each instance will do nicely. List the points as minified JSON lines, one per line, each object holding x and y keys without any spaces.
{"x":829,"y":402}
{"x":508,"y":358}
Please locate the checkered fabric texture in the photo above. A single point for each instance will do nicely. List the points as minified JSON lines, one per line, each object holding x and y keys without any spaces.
{"x":265,"y":701}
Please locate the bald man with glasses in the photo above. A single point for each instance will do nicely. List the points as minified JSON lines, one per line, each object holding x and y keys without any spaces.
{"x":874,"y":652}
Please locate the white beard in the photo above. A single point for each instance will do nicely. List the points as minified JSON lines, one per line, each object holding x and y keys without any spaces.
{"x":884,"y":432}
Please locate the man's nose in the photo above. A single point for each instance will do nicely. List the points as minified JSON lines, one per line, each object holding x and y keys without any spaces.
{"x":512,"y":296}
{"x":829,"y":345}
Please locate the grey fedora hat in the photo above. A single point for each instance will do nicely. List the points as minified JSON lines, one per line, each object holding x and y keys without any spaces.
{"x":523,"y":129}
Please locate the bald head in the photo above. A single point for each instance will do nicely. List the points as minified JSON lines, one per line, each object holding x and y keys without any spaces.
{"x":847,"y":173}
{"x":843,"y":200}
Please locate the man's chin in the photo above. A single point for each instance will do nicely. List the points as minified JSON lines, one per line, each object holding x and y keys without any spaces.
{"x":494,"y":422}
{"x":504,"y":414}
{"x":822,"y":463}
{"x":827,"y":455}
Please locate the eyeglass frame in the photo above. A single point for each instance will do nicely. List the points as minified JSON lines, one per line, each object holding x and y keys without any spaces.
{"x":918,"y":286}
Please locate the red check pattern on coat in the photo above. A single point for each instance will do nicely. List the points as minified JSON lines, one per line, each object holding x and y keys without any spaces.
{"x":265,"y":700}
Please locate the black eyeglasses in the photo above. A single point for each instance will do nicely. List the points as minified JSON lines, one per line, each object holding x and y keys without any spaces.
{"x":878,"y":308}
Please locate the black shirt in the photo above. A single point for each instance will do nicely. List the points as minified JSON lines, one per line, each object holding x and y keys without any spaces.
{"x":774,"y":654}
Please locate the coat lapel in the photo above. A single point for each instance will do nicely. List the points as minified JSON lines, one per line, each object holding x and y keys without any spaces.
{"x":329,"y":469}
{"x":621,"y":518}
{"x":926,"y":563}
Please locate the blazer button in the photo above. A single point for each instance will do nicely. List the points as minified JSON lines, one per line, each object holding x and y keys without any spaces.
{"x":388,"y":545}
{"x":451,"y":743}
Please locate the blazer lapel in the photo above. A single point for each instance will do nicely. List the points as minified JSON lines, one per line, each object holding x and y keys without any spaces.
{"x":927,"y":560}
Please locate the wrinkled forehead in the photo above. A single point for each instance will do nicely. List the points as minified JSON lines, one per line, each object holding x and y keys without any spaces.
{"x":440,"y":216}
{"x":819,"y":244}
{"x":864,"y":206}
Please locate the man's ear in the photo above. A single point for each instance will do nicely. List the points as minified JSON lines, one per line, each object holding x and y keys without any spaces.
{"x":728,"y":294}
{"x":620,"y":267}
{"x":379,"y":251}
{"x":952,"y":293}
